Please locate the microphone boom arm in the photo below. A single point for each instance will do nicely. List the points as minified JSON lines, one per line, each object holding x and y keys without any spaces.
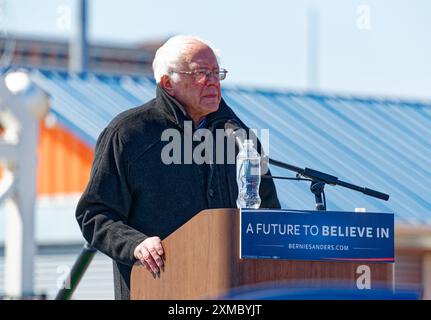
{"x":318,"y":178}
{"x":329,"y":179}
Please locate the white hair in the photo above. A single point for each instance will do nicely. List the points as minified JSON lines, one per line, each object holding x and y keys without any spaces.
{"x":170,"y":55}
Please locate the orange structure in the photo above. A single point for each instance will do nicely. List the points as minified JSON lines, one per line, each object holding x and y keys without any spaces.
{"x":64,"y":162}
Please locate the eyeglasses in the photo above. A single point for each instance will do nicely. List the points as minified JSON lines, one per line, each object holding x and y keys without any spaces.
{"x":201,"y":74}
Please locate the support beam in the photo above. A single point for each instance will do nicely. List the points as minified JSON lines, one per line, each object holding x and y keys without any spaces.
{"x":26,"y":105}
{"x":20,"y":243}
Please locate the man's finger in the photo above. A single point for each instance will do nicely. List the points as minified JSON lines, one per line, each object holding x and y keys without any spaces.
{"x":146,"y":256}
{"x":156,"y":257}
{"x":159,"y":249}
{"x":145,"y":264}
{"x":157,"y":244}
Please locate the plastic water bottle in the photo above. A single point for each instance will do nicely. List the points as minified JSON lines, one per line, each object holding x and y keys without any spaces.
{"x":248,"y":176}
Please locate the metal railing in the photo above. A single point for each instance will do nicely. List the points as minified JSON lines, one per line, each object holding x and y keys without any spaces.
{"x":80,"y":266}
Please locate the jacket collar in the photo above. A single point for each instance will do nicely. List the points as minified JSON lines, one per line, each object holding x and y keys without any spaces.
{"x":176,"y":113}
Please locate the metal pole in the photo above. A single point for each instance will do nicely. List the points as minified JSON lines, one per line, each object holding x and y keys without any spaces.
{"x":78,"y":270}
{"x":78,"y":48}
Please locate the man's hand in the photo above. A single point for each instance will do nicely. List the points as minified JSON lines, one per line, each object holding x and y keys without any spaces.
{"x":150,"y":252}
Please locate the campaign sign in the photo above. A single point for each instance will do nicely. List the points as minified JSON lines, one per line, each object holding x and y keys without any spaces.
{"x":317,"y":235}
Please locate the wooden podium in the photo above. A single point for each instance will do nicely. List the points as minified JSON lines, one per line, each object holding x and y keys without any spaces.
{"x":202,"y":262}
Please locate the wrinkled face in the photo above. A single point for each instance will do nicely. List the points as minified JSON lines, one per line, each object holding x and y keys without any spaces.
{"x":199,"y":97}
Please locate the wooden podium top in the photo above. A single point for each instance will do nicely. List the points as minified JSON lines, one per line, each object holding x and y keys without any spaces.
{"x":202,"y":261}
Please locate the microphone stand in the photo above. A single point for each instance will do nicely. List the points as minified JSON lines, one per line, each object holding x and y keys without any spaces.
{"x":318,"y":180}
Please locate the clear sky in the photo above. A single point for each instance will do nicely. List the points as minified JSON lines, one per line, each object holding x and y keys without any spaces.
{"x":378,"y":47}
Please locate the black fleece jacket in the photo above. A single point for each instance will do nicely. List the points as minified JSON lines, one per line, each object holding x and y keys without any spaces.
{"x":133,"y":195}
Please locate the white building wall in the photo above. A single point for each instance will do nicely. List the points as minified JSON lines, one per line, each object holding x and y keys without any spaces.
{"x":51,"y":264}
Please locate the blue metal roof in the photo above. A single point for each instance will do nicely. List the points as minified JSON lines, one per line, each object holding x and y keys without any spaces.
{"x":376,"y":143}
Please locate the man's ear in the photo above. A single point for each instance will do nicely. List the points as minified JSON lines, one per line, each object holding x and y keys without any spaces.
{"x":166,"y":83}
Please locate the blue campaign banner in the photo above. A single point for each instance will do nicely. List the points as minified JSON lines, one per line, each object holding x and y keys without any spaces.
{"x":317,"y":235}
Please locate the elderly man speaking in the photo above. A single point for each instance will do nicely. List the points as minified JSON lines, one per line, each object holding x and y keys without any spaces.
{"x":134,"y":199}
